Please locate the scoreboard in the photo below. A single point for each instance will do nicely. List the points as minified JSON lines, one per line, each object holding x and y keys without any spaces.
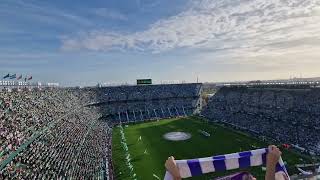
{"x":144,"y":81}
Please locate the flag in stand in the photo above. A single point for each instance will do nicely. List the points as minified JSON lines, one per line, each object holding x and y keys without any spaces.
{"x":13,"y":76}
{"x":18,"y":78}
{"x":6,"y":76}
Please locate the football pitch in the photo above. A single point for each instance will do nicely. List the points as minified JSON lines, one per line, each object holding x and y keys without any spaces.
{"x":149,"y":153}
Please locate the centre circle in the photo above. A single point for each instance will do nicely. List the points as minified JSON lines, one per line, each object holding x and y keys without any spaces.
{"x":177,"y":136}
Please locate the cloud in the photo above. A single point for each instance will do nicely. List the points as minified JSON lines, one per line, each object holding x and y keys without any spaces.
{"x":110,"y":14}
{"x":42,"y":14}
{"x":246,"y":26}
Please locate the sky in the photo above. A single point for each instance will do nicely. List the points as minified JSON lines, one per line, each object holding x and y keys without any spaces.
{"x":117,"y":41}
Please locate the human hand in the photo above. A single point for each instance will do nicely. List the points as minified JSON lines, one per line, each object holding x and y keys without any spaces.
{"x":273,"y":156}
{"x":172,"y":167}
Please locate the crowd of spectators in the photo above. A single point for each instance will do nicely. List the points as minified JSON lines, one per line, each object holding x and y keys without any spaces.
{"x":139,"y":111}
{"x":148,"y":92}
{"x":24,"y":112}
{"x":285,"y":115}
{"x":73,"y":141}
{"x":138,"y":103}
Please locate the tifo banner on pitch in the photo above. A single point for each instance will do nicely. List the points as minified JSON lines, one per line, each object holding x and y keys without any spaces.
{"x":196,"y":167}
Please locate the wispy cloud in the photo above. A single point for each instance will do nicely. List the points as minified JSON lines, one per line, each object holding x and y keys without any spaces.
{"x":110,"y":14}
{"x":248,"y":26}
{"x":43,"y":14}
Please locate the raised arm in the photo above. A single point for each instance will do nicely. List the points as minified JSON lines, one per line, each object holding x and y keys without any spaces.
{"x":272,"y":159}
{"x":172,"y":167}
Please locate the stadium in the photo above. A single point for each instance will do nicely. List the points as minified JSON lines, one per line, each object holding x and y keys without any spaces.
{"x":127,"y":132}
{"x":159,"y":89}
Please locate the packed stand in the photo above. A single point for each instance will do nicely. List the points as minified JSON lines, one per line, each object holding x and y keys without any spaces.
{"x":148,"y":92}
{"x":285,"y":115}
{"x":70,"y":134}
{"x":24,"y":112}
{"x":145,"y":102}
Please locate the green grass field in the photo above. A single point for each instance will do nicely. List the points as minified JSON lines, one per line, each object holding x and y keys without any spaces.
{"x":221,"y":141}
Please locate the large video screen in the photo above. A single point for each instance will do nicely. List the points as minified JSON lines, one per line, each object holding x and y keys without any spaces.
{"x":144,"y":81}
